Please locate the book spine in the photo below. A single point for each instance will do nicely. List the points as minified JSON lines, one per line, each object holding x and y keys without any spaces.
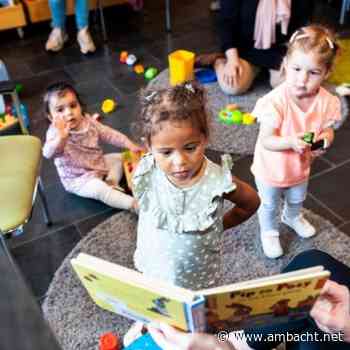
{"x":195,"y":314}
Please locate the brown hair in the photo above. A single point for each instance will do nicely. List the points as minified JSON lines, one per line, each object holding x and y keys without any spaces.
{"x":59,"y":89}
{"x":317,"y":39}
{"x":184,"y":102}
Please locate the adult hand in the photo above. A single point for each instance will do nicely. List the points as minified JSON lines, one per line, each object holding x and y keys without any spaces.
{"x":169,"y":338}
{"x":331,"y":310}
{"x":327,"y":135}
{"x":232,"y":71}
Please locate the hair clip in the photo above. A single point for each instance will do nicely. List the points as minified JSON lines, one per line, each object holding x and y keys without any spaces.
{"x":189,"y":86}
{"x":330,"y":43}
{"x":297,"y":36}
{"x":150,"y":97}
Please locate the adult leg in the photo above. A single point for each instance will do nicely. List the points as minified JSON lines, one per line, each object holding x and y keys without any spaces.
{"x":99,"y":190}
{"x":57,"y":36}
{"x":82,"y":21}
{"x":249,"y":72}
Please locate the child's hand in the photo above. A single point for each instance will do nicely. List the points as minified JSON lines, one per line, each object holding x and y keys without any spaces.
{"x":62,"y":127}
{"x":297,"y":144}
{"x":327,"y":135}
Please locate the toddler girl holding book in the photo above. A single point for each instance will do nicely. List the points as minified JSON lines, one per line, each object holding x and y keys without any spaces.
{"x":180,"y":192}
{"x":282,"y":157}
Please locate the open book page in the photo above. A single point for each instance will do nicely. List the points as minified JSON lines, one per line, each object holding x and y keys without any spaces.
{"x":259,"y":304}
{"x":129,"y":293}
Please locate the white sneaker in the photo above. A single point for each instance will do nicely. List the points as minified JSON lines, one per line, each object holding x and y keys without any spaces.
{"x":300,"y":225}
{"x":215,"y":5}
{"x":271,"y":244}
{"x":56,"y":40}
{"x":85,"y":41}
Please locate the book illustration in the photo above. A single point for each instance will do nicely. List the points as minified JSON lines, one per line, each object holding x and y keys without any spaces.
{"x":160,"y":306}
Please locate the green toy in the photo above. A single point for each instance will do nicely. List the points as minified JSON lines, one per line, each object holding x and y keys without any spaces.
{"x":3,"y":117}
{"x":225,"y":117}
{"x":237,"y":117}
{"x":19,"y":88}
{"x":151,"y":73}
{"x":309,"y":137}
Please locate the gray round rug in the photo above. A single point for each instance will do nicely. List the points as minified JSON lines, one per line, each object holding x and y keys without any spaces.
{"x":238,"y":139}
{"x":78,"y":322}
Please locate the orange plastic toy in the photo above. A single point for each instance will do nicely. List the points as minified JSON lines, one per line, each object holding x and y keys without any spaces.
{"x":109,"y":341}
{"x":123,"y":56}
{"x":139,"y":69}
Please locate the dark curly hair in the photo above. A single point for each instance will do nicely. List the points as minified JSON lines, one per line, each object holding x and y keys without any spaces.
{"x":183,"y":102}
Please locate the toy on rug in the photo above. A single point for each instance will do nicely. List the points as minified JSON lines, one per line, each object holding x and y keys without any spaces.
{"x":181,"y":63}
{"x":109,"y":341}
{"x":231,"y":115}
{"x":131,"y":60}
{"x":206,"y":76}
{"x":108,"y":106}
{"x":130,"y":161}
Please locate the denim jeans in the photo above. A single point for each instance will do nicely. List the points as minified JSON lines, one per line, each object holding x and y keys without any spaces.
{"x":270,"y":196}
{"x":3,"y":76}
{"x":58,"y":13}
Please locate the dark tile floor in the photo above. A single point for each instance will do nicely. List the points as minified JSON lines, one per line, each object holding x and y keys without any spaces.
{"x":40,"y":250}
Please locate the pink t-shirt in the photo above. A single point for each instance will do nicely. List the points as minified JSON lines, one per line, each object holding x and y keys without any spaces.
{"x":288,"y":168}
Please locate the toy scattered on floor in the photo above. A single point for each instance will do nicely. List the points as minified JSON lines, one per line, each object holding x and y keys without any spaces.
{"x":206,"y":76}
{"x":232,"y":115}
{"x":181,"y":63}
{"x":108,"y":106}
{"x":139,"y":69}
{"x":123,"y":56}
{"x":151,"y":73}
{"x":130,"y":161}
{"x":109,"y":341}
{"x":7,"y":120}
{"x":131,"y":60}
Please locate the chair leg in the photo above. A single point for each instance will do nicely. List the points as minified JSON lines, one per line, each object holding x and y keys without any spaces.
{"x":167,"y":16}
{"x":46,"y":212}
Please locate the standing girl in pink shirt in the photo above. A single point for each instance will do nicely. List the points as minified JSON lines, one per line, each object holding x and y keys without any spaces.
{"x":282,"y":159}
{"x":73,"y":141}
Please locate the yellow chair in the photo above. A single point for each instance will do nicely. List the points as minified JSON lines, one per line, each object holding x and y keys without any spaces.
{"x":19,"y":180}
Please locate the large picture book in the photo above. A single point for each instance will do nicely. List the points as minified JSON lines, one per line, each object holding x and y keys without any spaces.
{"x":258,"y":302}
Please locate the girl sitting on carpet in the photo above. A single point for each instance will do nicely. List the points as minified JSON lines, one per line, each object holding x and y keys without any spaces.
{"x":282,"y":158}
{"x":73,"y":141}
{"x":180,"y":192}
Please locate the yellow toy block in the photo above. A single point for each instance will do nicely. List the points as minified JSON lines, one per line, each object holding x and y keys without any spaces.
{"x":181,"y":64}
{"x":108,"y":106}
{"x":139,"y":69}
{"x":248,"y":119}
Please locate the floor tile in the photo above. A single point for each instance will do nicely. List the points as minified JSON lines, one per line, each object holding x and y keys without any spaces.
{"x":39,"y":259}
{"x":332,"y":188}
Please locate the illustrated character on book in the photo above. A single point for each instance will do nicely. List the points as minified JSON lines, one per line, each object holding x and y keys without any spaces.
{"x":240,"y":312}
{"x":280,"y":308}
{"x":159,"y":306}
